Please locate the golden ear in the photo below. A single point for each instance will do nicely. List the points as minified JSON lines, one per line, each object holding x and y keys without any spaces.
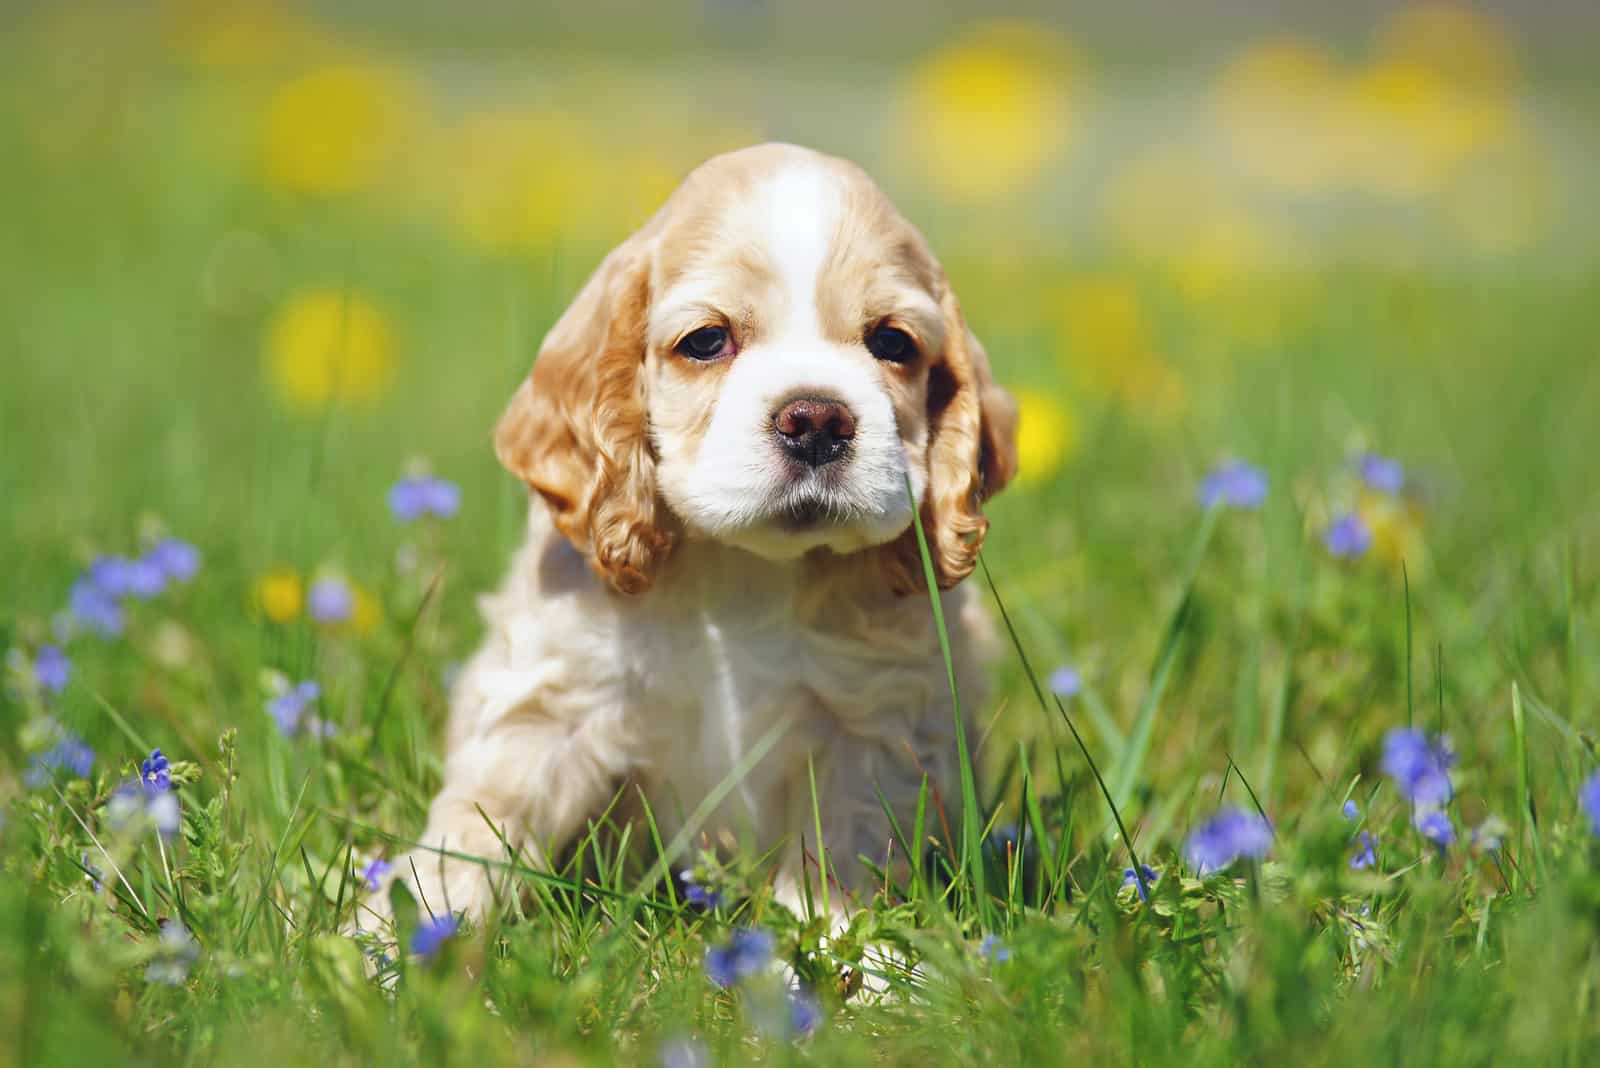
{"x":972,"y":454}
{"x":576,"y":429}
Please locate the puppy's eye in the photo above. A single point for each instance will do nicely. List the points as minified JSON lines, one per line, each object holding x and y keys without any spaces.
{"x":891,"y":344}
{"x":706,"y":343}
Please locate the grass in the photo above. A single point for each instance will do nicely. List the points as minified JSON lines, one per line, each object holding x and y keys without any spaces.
{"x":1227,"y":659}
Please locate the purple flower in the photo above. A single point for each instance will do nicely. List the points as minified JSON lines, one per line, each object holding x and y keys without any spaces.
{"x":1436,"y":827}
{"x":70,"y":754}
{"x":804,"y":1013}
{"x":1227,"y":836}
{"x":1236,"y":484}
{"x":433,"y":934}
{"x":331,"y":600}
{"x":1419,"y":765}
{"x":92,"y":873}
{"x":178,"y":952}
{"x":746,"y":952}
{"x":1348,"y":538}
{"x":991,"y":948}
{"x":288,"y":708}
{"x":155,"y":774}
{"x":111,"y":575}
{"x":94,"y":608}
{"x":1589,"y":801}
{"x":51,"y":668}
{"x":1351,"y":811}
{"x":375,"y":872}
{"x":1381,"y":473}
{"x":1066,"y":681}
{"x":1129,"y":878}
{"x":684,"y":1053}
{"x":699,"y":896}
{"x":178,"y":561}
{"x":1366,"y":851}
{"x":145,"y":579}
{"x":417,"y":496}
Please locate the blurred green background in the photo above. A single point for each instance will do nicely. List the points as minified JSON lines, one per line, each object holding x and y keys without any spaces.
{"x":260,"y":259}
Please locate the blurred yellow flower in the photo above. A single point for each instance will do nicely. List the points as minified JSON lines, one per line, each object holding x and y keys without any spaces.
{"x":521,"y":180}
{"x":334,"y":130}
{"x":1502,"y":199}
{"x":1410,"y":126}
{"x":1279,"y":108}
{"x":1469,"y":47}
{"x":1047,"y":435}
{"x":1108,"y":350}
{"x":984,"y":115}
{"x":327,"y":346}
{"x":1396,"y":527}
{"x":239,"y":33}
{"x":279,"y":595}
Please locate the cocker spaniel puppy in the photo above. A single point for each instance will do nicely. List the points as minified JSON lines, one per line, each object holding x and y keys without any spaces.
{"x":720,"y":559}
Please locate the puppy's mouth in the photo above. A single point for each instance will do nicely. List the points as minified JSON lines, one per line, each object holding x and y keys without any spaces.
{"x":803,"y":515}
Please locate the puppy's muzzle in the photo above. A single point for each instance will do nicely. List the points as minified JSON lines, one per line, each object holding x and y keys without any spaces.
{"x":814,"y":431}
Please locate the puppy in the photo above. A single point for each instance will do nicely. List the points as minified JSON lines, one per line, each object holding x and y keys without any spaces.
{"x":720,"y":591}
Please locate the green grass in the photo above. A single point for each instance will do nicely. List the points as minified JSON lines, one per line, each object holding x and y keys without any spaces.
{"x":1227,"y":661}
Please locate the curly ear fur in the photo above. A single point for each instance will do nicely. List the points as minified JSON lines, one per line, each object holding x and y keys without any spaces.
{"x":576,"y":430}
{"x":972,"y":454}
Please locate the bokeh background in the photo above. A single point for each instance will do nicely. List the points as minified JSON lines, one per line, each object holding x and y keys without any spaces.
{"x":261,"y":258}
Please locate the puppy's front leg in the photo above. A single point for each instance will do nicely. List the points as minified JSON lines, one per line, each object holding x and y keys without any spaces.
{"x":519,"y":788}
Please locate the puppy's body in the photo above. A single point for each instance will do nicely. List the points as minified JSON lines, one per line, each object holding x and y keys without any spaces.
{"x":720,"y":432}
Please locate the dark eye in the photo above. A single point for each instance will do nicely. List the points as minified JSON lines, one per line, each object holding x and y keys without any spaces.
{"x":706,"y":343}
{"x":889,"y":343}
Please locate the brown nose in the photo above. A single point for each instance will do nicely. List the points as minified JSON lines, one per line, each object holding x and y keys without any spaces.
{"x":814,"y":431}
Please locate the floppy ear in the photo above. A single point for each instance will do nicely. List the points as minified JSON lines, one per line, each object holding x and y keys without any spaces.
{"x":972,"y":454}
{"x":576,"y":430}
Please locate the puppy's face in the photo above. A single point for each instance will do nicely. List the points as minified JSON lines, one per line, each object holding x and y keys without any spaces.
{"x":773,"y":358}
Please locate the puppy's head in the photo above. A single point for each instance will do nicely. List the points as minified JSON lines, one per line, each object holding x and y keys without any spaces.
{"x":766,"y":363}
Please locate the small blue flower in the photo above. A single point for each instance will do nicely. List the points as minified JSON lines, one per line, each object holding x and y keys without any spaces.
{"x":331,"y":600}
{"x":92,"y":873}
{"x":177,"y":951}
{"x":1066,"y":681}
{"x":1436,"y":827}
{"x":177,"y":560}
{"x":804,"y":1013}
{"x":1381,"y":473}
{"x":687,"y":1052}
{"x":991,"y":948}
{"x":1489,"y":835}
{"x":434,"y":933}
{"x":288,"y":708}
{"x":70,"y":754}
{"x":1419,"y":765}
{"x":746,"y":953}
{"x":1589,"y":801}
{"x":1227,"y":836}
{"x":414,"y":497}
{"x":94,"y":608}
{"x":1366,"y":851}
{"x":695,"y":894}
{"x":1348,"y":538}
{"x":51,"y":668}
{"x":1131,"y":879}
{"x":145,"y":579}
{"x":1351,"y":811}
{"x":155,"y":773}
{"x":1236,"y":484}
{"x":374,"y":873}
{"x":111,"y":575}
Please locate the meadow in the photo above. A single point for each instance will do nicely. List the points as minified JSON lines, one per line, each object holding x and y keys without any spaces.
{"x":1293,"y":749}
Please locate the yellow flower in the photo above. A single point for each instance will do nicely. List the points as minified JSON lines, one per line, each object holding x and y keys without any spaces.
{"x":329,"y":345}
{"x":367,"y":612}
{"x":1279,"y":108}
{"x":1108,"y":350}
{"x":279,"y":596}
{"x":1396,"y":527}
{"x":336,"y":129}
{"x":987,"y":113}
{"x":1468,"y":46}
{"x":1047,"y":435}
{"x":1410,"y":126}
